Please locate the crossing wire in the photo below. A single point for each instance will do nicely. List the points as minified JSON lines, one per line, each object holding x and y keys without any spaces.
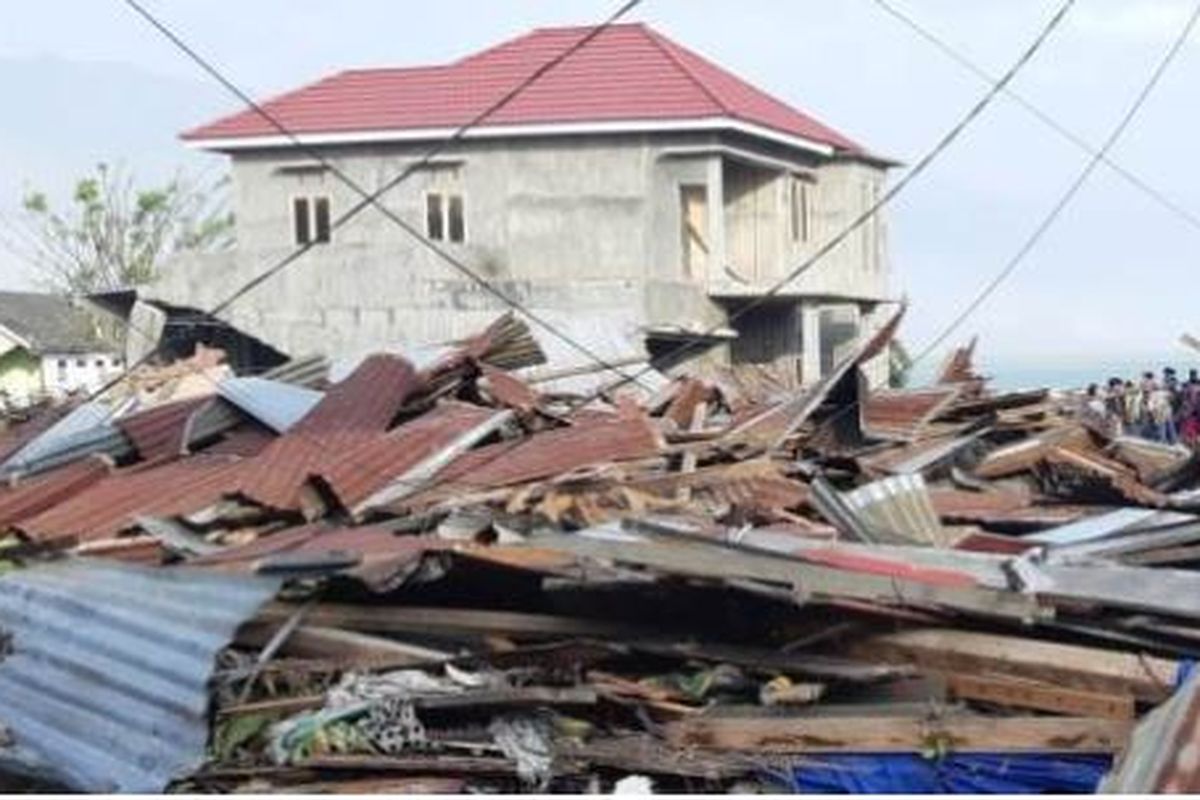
{"x":1041,"y":115}
{"x":886,"y":199}
{"x":372,"y":199}
{"x":1031,"y":243}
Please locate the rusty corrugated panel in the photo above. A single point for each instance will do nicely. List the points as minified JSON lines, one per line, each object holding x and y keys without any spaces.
{"x":106,"y":676}
{"x":359,"y":472}
{"x":353,"y":411}
{"x":552,"y":453}
{"x":509,"y":390}
{"x":34,"y":496}
{"x":246,"y":440}
{"x":161,"y":432}
{"x":903,"y":416}
{"x":690,"y":393}
{"x":109,"y":507}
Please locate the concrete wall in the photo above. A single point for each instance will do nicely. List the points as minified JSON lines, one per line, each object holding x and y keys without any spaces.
{"x":570,"y":224}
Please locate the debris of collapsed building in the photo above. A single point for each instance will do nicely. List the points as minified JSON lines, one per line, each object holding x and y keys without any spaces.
{"x":463,"y":568}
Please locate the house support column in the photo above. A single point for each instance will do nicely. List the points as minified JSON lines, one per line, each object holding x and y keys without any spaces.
{"x":810,"y":342}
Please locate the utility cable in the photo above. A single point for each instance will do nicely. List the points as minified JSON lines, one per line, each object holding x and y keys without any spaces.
{"x":369,"y":199}
{"x":1042,"y":116}
{"x":870,"y":213}
{"x":1072,"y":191}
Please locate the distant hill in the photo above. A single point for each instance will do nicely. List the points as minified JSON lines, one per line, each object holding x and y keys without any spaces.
{"x":62,"y":117}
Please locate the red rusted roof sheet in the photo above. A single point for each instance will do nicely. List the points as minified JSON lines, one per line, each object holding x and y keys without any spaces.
{"x":555,"y":452}
{"x":353,"y":412}
{"x":903,"y":415}
{"x":109,"y":506}
{"x":161,"y":432}
{"x":361,"y":471}
{"x":32,"y":497}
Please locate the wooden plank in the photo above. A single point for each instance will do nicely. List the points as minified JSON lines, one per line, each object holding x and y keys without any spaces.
{"x":723,"y":562}
{"x":449,"y":621}
{"x":876,"y":734}
{"x":1086,"y":669}
{"x":1041,"y":696}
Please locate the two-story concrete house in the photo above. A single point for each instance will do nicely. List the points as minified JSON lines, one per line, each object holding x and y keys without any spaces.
{"x":636,"y":182}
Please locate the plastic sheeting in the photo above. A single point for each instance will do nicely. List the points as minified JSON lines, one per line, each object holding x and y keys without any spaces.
{"x":903,"y":773}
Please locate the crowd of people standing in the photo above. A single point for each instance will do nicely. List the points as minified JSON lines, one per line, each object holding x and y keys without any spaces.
{"x":1163,"y":409}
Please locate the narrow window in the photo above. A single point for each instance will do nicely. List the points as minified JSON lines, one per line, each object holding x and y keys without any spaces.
{"x":62,"y":370}
{"x":321,"y":219}
{"x":435,"y":226}
{"x":300,"y":220}
{"x":81,"y":363}
{"x":799,"y":211}
{"x":456,"y":223}
{"x":99,"y":363}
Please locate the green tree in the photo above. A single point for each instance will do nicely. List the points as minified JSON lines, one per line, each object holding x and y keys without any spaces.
{"x":114,"y":234}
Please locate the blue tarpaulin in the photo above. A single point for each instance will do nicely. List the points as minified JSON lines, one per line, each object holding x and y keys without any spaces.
{"x":902,"y":773}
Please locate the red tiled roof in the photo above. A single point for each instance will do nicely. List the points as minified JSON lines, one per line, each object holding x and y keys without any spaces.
{"x":628,"y":73}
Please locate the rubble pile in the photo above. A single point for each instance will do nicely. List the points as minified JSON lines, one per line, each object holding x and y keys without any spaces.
{"x":453,"y":574}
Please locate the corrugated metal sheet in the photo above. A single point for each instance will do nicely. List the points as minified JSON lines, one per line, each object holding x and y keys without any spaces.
{"x":898,"y":509}
{"x":34,"y":496}
{"x":275,"y":404}
{"x":903,"y":415}
{"x":360,"y":472}
{"x":110,"y":506}
{"x":107,"y":678}
{"x":353,"y":411}
{"x":162,"y":431}
{"x":554,"y":453}
{"x":86,"y":430}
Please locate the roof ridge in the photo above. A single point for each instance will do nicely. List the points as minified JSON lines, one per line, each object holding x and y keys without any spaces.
{"x":660,"y":42}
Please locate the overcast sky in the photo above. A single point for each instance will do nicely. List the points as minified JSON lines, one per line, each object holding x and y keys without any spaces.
{"x":1115,"y":278}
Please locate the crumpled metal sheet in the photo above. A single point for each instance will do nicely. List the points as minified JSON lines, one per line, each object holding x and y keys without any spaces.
{"x":106,"y":670}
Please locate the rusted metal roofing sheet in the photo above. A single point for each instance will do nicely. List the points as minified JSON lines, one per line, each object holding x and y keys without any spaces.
{"x":902,"y":416}
{"x":352,"y":412}
{"x":36,"y":495}
{"x":110,"y":506}
{"x":162,"y":431}
{"x":405,"y":460}
{"x":554,"y":453}
{"x":106,"y":681}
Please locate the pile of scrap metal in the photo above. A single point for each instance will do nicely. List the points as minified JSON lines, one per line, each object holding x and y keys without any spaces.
{"x":441,"y":571}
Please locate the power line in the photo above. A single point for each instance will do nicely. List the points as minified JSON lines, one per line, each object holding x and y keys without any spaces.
{"x":923,"y":164}
{"x":370,"y":199}
{"x":1042,"y":116}
{"x":1065,"y":200}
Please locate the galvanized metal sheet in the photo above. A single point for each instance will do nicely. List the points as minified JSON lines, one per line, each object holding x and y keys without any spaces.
{"x":107,"y":670}
{"x":275,"y":404}
{"x":898,"y":509}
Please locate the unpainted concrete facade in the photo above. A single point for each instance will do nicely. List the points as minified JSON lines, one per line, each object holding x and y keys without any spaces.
{"x":679,"y":229}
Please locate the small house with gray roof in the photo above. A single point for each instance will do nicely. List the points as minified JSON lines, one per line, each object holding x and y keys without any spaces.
{"x":50,"y":347}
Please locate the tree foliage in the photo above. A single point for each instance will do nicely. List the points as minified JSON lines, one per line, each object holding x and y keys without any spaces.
{"x":114,"y":234}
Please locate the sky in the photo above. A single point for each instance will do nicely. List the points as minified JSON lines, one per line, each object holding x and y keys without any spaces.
{"x":1114,"y":280}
